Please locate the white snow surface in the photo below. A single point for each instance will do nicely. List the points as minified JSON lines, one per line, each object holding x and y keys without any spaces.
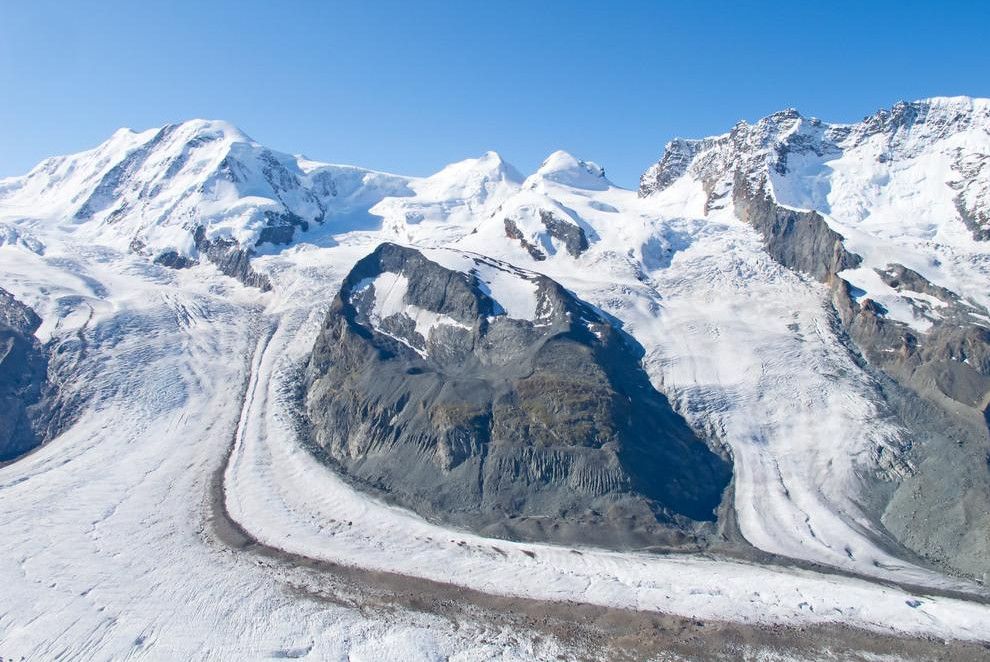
{"x":107,"y":550}
{"x":448,"y":204}
{"x":889,"y":186}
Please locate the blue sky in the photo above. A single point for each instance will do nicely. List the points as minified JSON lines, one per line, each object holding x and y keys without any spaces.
{"x":410,"y":86}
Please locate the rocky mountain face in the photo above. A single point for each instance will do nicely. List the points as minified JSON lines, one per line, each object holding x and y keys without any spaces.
{"x":852,"y":206}
{"x":23,"y":379}
{"x":491,"y":397}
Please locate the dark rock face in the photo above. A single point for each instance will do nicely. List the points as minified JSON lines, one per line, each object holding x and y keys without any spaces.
{"x":934,"y":495}
{"x":570,"y":234}
{"x":542,"y":428}
{"x":973,"y":199}
{"x":231,"y":259}
{"x":800,"y":240}
{"x":280,"y":228}
{"x":512,"y":231}
{"x":23,"y":379}
{"x":173,"y":260}
{"x":940,"y":391}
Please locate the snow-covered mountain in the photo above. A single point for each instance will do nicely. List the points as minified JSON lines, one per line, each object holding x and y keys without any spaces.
{"x":448,"y":204}
{"x":153,"y":190}
{"x":906,"y":185}
{"x":891,"y":211}
{"x":811,"y":298}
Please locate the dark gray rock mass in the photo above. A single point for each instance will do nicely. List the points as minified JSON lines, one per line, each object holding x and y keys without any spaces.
{"x":231,"y":259}
{"x":536,"y":429}
{"x":512,"y":231}
{"x":227,"y":255}
{"x":23,"y":379}
{"x":973,"y":186}
{"x":568,"y":233}
{"x":800,"y":240}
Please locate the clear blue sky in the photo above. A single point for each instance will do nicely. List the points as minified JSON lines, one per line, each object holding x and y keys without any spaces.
{"x":410,"y":86}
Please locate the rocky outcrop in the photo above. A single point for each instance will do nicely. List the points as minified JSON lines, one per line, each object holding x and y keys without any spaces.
{"x":174,"y":260}
{"x":227,"y":255}
{"x":23,"y":379}
{"x":231,"y":259}
{"x":512,"y":231}
{"x":569,"y":234}
{"x":281,"y":228}
{"x":973,"y":198}
{"x":799,"y":240}
{"x":494,"y":399}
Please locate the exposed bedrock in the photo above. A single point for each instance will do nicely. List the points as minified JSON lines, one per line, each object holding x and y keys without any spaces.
{"x":569,"y":234}
{"x":231,"y":259}
{"x":799,"y":240}
{"x":23,"y":380}
{"x":493,"y":398}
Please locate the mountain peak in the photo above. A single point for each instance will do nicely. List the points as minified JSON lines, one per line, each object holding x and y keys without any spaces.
{"x":564,"y":168}
{"x":783,"y":115}
{"x":209,"y":130}
{"x":490,"y":166}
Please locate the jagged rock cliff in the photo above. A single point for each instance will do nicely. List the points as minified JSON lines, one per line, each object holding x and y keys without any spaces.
{"x":492,"y":398}
{"x":843,"y":204}
{"x":23,"y":379}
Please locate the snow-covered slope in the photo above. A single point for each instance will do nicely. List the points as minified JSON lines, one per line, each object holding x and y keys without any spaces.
{"x":151,"y":191}
{"x":554,"y":214}
{"x":886,"y":212}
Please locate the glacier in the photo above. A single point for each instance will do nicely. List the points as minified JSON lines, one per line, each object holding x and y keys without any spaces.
{"x":114,"y":531}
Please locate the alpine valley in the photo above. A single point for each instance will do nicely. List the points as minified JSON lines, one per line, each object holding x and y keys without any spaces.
{"x":254,"y":405}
